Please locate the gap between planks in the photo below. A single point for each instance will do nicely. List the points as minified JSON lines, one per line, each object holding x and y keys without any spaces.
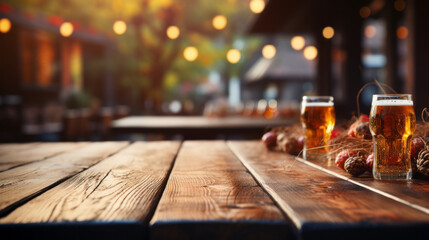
{"x":288,"y":212}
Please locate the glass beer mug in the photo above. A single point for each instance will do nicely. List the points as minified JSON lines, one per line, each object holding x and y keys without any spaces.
{"x":318,"y":121}
{"x":392,"y":124}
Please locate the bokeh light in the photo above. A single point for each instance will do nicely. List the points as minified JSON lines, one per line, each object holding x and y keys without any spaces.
{"x":66,"y":29}
{"x":257,"y":6}
{"x":233,"y":56}
{"x":370,"y":31}
{"x":328,"y":32}
{"x":5,"y":25}
{"x":219,"y":22}
{"x":297,"y":42}
{"x":310,"y":53}
{"x":399,"y":5}
{"x":173,"y":32}
{"x":365,"y":12}
{"x":269,"y":51}
{"x":119,"y":27}
{"x":190,"y":53}
{"x":402,"y":32}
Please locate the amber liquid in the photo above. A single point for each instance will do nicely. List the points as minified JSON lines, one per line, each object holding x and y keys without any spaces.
{"x":392,"y":128}
{"x":318,"y":123}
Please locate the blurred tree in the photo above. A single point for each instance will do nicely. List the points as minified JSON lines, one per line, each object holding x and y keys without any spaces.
{"x":150,"y":63}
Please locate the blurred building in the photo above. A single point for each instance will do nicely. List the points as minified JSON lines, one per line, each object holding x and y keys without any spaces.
{"x":41,"y":67}
{"x":356,"y":42}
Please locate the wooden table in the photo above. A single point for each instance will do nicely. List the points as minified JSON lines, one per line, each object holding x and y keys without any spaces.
{"x":198,"y":127}
{"x":196,"y":190}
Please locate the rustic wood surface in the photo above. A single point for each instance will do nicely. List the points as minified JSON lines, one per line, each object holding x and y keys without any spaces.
{"x":210,"y":193}
{"x":16,"y":155}
{"x":315,"y":200}
{"x":414,"y":193}
{"x":20,"y":184}
{"x":211,"y":190}
{"x":123,"y":187}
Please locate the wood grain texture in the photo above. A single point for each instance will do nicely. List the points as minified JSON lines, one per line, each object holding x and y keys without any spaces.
{"x":24,"y":182}
{"x":209,"y":190}
{"x":414,"y":193}
{"x":123,"y":187}
{"x":19,"y":154}
{"x":321,"y":204}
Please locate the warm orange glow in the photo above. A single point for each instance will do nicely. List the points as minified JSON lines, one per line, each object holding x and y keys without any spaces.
{"x":233,"y":56}
{"x":370,"y":31}
{"x":5,"y":25}
{"x":257,"y":6}
{"x":328,"y":32}
{"x":269,"y":51}
{"x":297,"y":43}
{"x":365,"y":12}
{"x":399,"y":5}
{"x":219,"y":22}
{"x":173,"y":32}
{"x":310,"y":53}
{"x":66,"y":29}
{"x":402,"y":32}
{"x":119,"y":27}
{"x":190,"y":53}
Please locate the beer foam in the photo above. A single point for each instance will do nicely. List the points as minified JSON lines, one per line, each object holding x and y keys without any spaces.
{"x":393,"y":102}
{"x":319,"y":104}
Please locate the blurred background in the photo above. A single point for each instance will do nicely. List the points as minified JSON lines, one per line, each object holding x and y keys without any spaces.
{"x":68,"y":68}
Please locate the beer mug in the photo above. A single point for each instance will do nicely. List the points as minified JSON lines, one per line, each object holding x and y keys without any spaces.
{"x":318,"y":121}
{"x":392,"y":124}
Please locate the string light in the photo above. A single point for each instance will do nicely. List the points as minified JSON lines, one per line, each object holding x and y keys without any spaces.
{"x":402,"y":32}
{"x":310,"y":53}
{"x":364,"y":12}
{"x":119,"y":27}
{"x":370,"y":31}
{"x":297,"y":43}
{"x":5,"y":25}
{"x":399,"y":5}
{"x":257,"y":6}
{"x":233,"y":56}
{"x":269,"y":51}
{"x":219,"y":22}
{"x":190,"y":53}
{"x":173,"y":32}
{"x":328,"y":32}
{"x":66,"y":29}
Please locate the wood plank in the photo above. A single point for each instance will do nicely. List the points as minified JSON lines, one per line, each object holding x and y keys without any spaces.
{"x":324,"y":206}
{"x":18,"y":155}
{"x":22,"y":183}
{"x":414,"y":193}
{"x":121,"y":187}
{"x":211,"y":195}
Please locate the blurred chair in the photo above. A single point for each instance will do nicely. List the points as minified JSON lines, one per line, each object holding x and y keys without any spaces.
{"x":71,"y":125}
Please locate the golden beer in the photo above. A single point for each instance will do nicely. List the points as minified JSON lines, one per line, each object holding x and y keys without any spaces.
{"x":392,"y":124}
{"x":318,"y":121}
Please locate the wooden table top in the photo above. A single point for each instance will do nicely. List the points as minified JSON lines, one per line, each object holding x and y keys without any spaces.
{"x":197,"y":190}
{"x":195,"y":125}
